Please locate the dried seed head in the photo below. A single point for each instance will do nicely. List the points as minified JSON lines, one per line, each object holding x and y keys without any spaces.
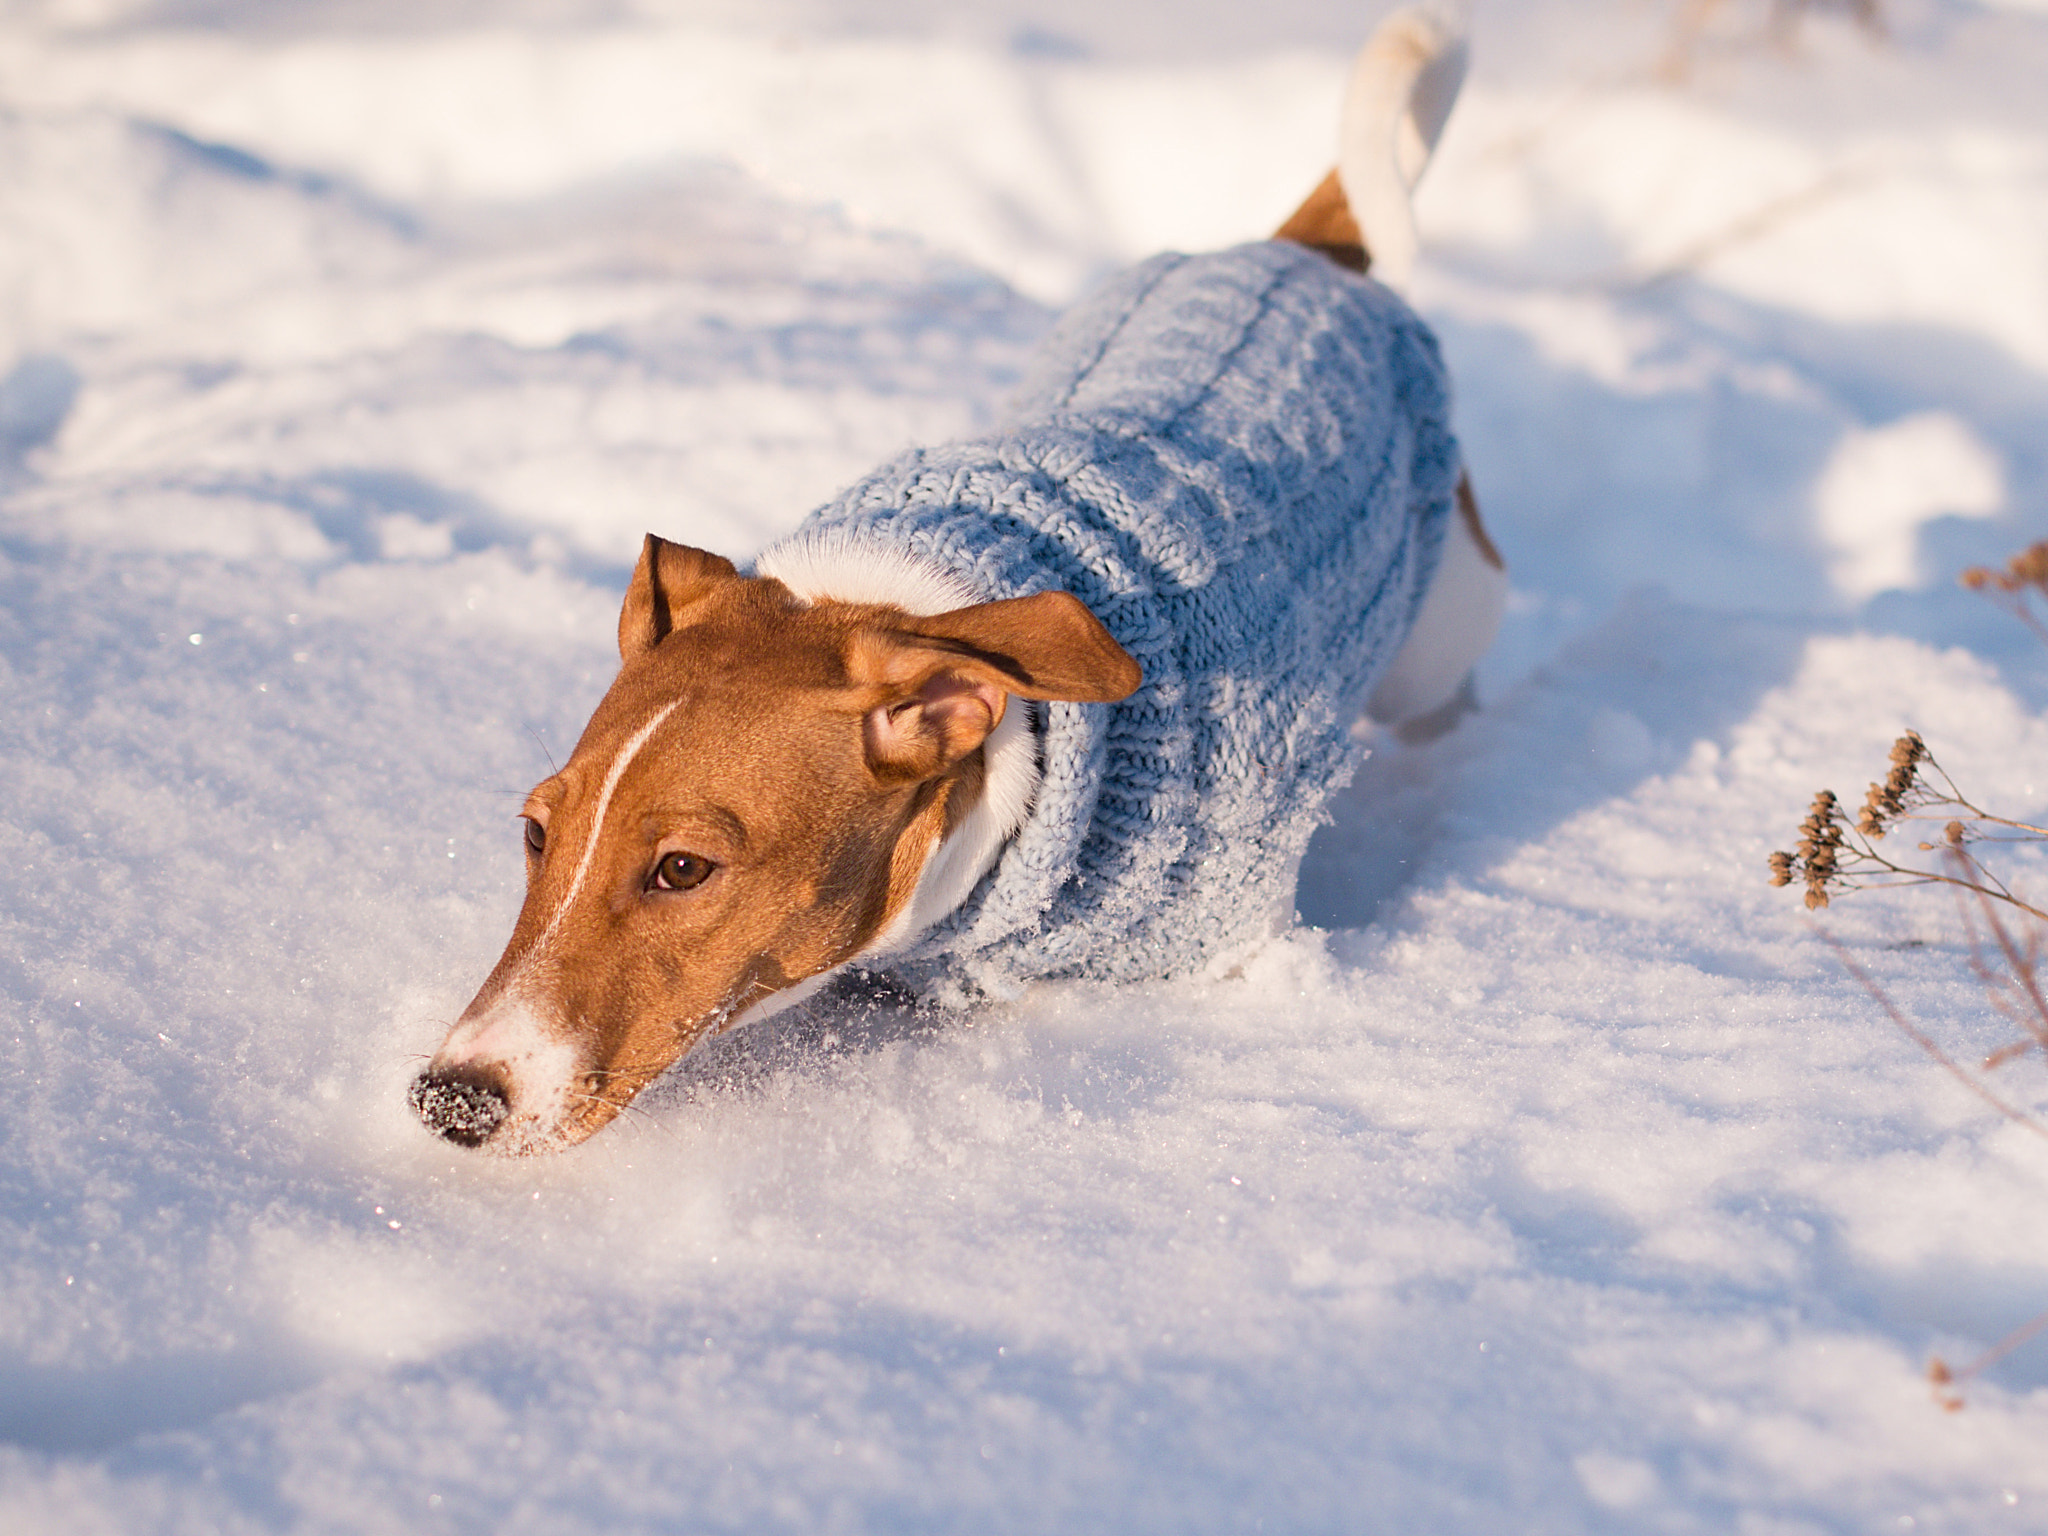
{"x":2030,"y":566}
{"x":1887,"y":801}
{"x":1818,"y":853}
{"x":1953,"y":832}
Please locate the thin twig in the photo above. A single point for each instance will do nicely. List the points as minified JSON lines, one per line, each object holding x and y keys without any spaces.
{"x":1926,"y":1042}
{"x":1942,"y":1374}
{"x":1835,"y":855}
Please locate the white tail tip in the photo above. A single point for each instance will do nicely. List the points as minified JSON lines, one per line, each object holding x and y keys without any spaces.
{"x":1403,"y":85}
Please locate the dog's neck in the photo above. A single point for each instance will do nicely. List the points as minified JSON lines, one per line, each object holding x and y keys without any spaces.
{"x":820,"y":568}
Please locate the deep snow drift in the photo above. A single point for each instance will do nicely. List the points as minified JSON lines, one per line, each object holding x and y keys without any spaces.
{"x":1552,"y":1177}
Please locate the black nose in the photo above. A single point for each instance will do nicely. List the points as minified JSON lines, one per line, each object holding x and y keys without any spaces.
{"x":464,"y":1109}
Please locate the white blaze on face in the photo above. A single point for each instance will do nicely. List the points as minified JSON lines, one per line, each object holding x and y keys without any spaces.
{"x":522,"y":1035}
{"x":612,"y":776}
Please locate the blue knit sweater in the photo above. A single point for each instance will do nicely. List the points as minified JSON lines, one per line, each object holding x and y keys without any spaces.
{"x":1243,"y":463}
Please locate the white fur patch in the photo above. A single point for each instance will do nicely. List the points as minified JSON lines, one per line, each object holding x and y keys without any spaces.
{"x":834,"y":565}
{"x":521,"y":1041}
{"x":1402,"y":86}
{"x":538,"y":1069}
{"x":612,"y":776}
{"x":1459,"y":618}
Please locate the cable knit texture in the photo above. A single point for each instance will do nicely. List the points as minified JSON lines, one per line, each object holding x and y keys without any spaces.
{"x":1243,"y":463}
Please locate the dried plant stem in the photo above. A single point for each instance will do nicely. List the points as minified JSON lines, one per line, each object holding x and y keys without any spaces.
{"x":1927,"y":1042}
{"x":1943,"y":1376}
{"x":1781,"y":26}
{"x":1950,"y":795}
{"x":1834,"y":855}
{"x":1978,"y":880}
{"x":2014,"y":990}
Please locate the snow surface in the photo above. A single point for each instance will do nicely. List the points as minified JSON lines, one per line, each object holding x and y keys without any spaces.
{"x":1555,"y":1179}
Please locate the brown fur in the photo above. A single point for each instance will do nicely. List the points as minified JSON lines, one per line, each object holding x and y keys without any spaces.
{"x":1468,"y":509}
{"x":1324,"y":223}
{"x":810,"y":757}
{"x":815,"y":753}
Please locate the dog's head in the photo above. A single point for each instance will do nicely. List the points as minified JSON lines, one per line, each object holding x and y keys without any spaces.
{"x":751,"y":805}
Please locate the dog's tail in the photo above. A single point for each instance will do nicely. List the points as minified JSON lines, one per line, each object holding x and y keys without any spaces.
{"x":1403,"y":84}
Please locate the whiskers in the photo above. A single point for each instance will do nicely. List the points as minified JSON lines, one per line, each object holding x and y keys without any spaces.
{"x":553,"y":766}
{"x":720,"y":1019}
{"x":627,"y":1106}
{"x":620,"y":1107}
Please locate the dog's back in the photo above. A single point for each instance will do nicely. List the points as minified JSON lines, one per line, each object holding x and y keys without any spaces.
{"x":1242,"y":463}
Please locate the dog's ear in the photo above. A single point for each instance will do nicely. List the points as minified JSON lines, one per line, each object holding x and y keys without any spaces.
{"x":946,"y":679}
{"x":668,"y":579}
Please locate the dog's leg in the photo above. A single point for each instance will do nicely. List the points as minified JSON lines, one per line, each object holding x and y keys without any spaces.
{"x":1427,"y":688}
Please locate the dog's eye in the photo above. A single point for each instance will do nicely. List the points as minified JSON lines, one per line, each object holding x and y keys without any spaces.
{"x":681,"y":871}
{"x":536,"y":837}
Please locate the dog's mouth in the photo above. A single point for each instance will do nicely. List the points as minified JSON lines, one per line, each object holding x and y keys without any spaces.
{"x":475,"y":1114}
{"x":469,"y":1108}
{"x":507,"y":1085}
{"x":510,"y":1080}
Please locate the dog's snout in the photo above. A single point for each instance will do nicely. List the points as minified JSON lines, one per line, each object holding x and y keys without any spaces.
{"x":463,"y":1108}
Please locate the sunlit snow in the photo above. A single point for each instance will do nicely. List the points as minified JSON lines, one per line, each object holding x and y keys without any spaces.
{"x":1551,"y":1176}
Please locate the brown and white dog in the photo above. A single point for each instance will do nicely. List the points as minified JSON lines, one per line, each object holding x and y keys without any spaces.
{"x":780,"y":779}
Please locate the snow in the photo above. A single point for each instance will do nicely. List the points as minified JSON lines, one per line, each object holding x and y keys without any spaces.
{"x":1551,"y":1177}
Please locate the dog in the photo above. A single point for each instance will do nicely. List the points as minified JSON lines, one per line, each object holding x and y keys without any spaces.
{"x":1063,"y":702}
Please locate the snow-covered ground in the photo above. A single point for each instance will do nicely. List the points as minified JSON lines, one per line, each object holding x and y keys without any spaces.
{"x":1552,"y":1177}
